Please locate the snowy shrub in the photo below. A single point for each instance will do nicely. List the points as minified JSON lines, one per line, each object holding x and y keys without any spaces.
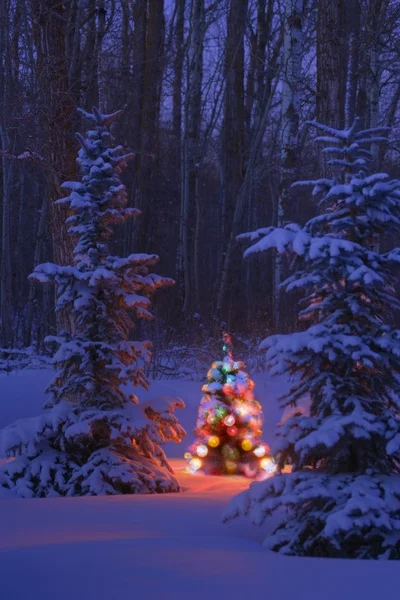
{"x":15,"y":359}
{"x":95,"y":438}
{"x":343,"y":495}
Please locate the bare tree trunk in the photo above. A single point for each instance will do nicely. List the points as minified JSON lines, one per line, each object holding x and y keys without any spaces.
{"x":178,"y":75}
{"x":37,"y":258}
{"x":190,"y":158}
{"x":353,"y":18}
{"x":378,"y":11}
{"x":244,"y":194}
{"x":74,"y":56}
{"x":331,"y":62}
{"x":233,"y":131}
{"x":89,"y":67}
{"x":293,"y":53}
{"x":264,"y":25}
{"x":148,"y":160}
{"x":6,"y":337}
{"x":101,"y":26}
{"x":56,"y":121}
{"x":6,"y":329}
{"x":374,"y":95}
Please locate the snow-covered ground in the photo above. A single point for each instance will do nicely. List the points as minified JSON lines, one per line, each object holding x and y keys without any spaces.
{"x":160,"y":547}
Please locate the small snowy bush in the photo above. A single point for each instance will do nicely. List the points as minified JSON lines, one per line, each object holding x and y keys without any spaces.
{"x":343,"y":495}
{"x":16,"y":359}
{"x":95,"y":438}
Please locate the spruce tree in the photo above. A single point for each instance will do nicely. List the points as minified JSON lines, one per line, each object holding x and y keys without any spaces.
{"x":95,"y":438}
{"x":343,"y":494}
{"x":229,"y":423}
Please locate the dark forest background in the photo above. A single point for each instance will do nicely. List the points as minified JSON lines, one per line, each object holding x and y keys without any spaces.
{"x":217,"y":96}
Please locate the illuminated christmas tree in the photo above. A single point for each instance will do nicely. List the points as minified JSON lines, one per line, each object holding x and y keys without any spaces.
{"x":229,"y":423}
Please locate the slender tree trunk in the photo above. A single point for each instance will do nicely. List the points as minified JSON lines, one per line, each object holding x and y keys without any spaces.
{"x":331,"y":62}
{"x":178,"y":75}
{"x":374,"y":95}
{"x":353,"y":18}
{"x":101,"y":26}
{"x":149,"y":159}
{"x":6,"y":338}
{"x":233,"y":131}
{"x":6,"y":329}
{"x":293,"y":53}
{"x":90,"y":95}
{"x":244,"y":195}
{"x":190,"y":157}
{"x":37,"y":258}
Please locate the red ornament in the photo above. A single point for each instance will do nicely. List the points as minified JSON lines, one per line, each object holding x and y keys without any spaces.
{"x":228,"y":389}
{"x":232,"y":431}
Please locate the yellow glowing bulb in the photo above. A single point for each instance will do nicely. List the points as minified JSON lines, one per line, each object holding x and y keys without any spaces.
{"x":247,"y":444}
{"x":230,"y":466}
{"x":195,"y":464}
{"x":268,"y":464}
{"x":187,"y":455}
{"x":202,"y":450}
{"x":259,"y":451}
{"x":213,"y":442}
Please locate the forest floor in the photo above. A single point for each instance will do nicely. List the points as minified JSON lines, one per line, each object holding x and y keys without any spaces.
{"x":161,"y":547}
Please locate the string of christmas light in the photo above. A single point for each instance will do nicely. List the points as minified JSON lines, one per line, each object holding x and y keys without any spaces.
{"x":229,"y":423}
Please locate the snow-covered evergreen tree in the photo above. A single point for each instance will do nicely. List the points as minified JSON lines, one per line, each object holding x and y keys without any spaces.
{"x":343,"y":495}
{"x":95,"y":438}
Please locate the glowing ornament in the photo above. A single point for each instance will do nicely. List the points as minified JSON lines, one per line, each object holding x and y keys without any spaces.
{"x":226,"y":451}
{"x":187,"y":455}
{"x":247,"y":445}
{"x":242,"y":410}
{"x":232,"y":431}
{"x":230,"y":466}
{"x":213,"y":441}
{"x":195,"y":464}
{"x":235,"y":454}
{"x":229,"y":420}
{"x":202,"y":450}
{"x":241,"y":389}
{"x":260,"y":451}
{"x":228,"y":389}
{"x":268,"y":464}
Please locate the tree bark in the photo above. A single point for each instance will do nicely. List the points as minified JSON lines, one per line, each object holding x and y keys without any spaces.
{"x":290,"y":111}
{"x":56,"y":122}
{"x":190,"y":150}
{"x":331,"y":62}
{"x":233,"y":132}
{"x":6,"y":329}
{"x":148,"y":159}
